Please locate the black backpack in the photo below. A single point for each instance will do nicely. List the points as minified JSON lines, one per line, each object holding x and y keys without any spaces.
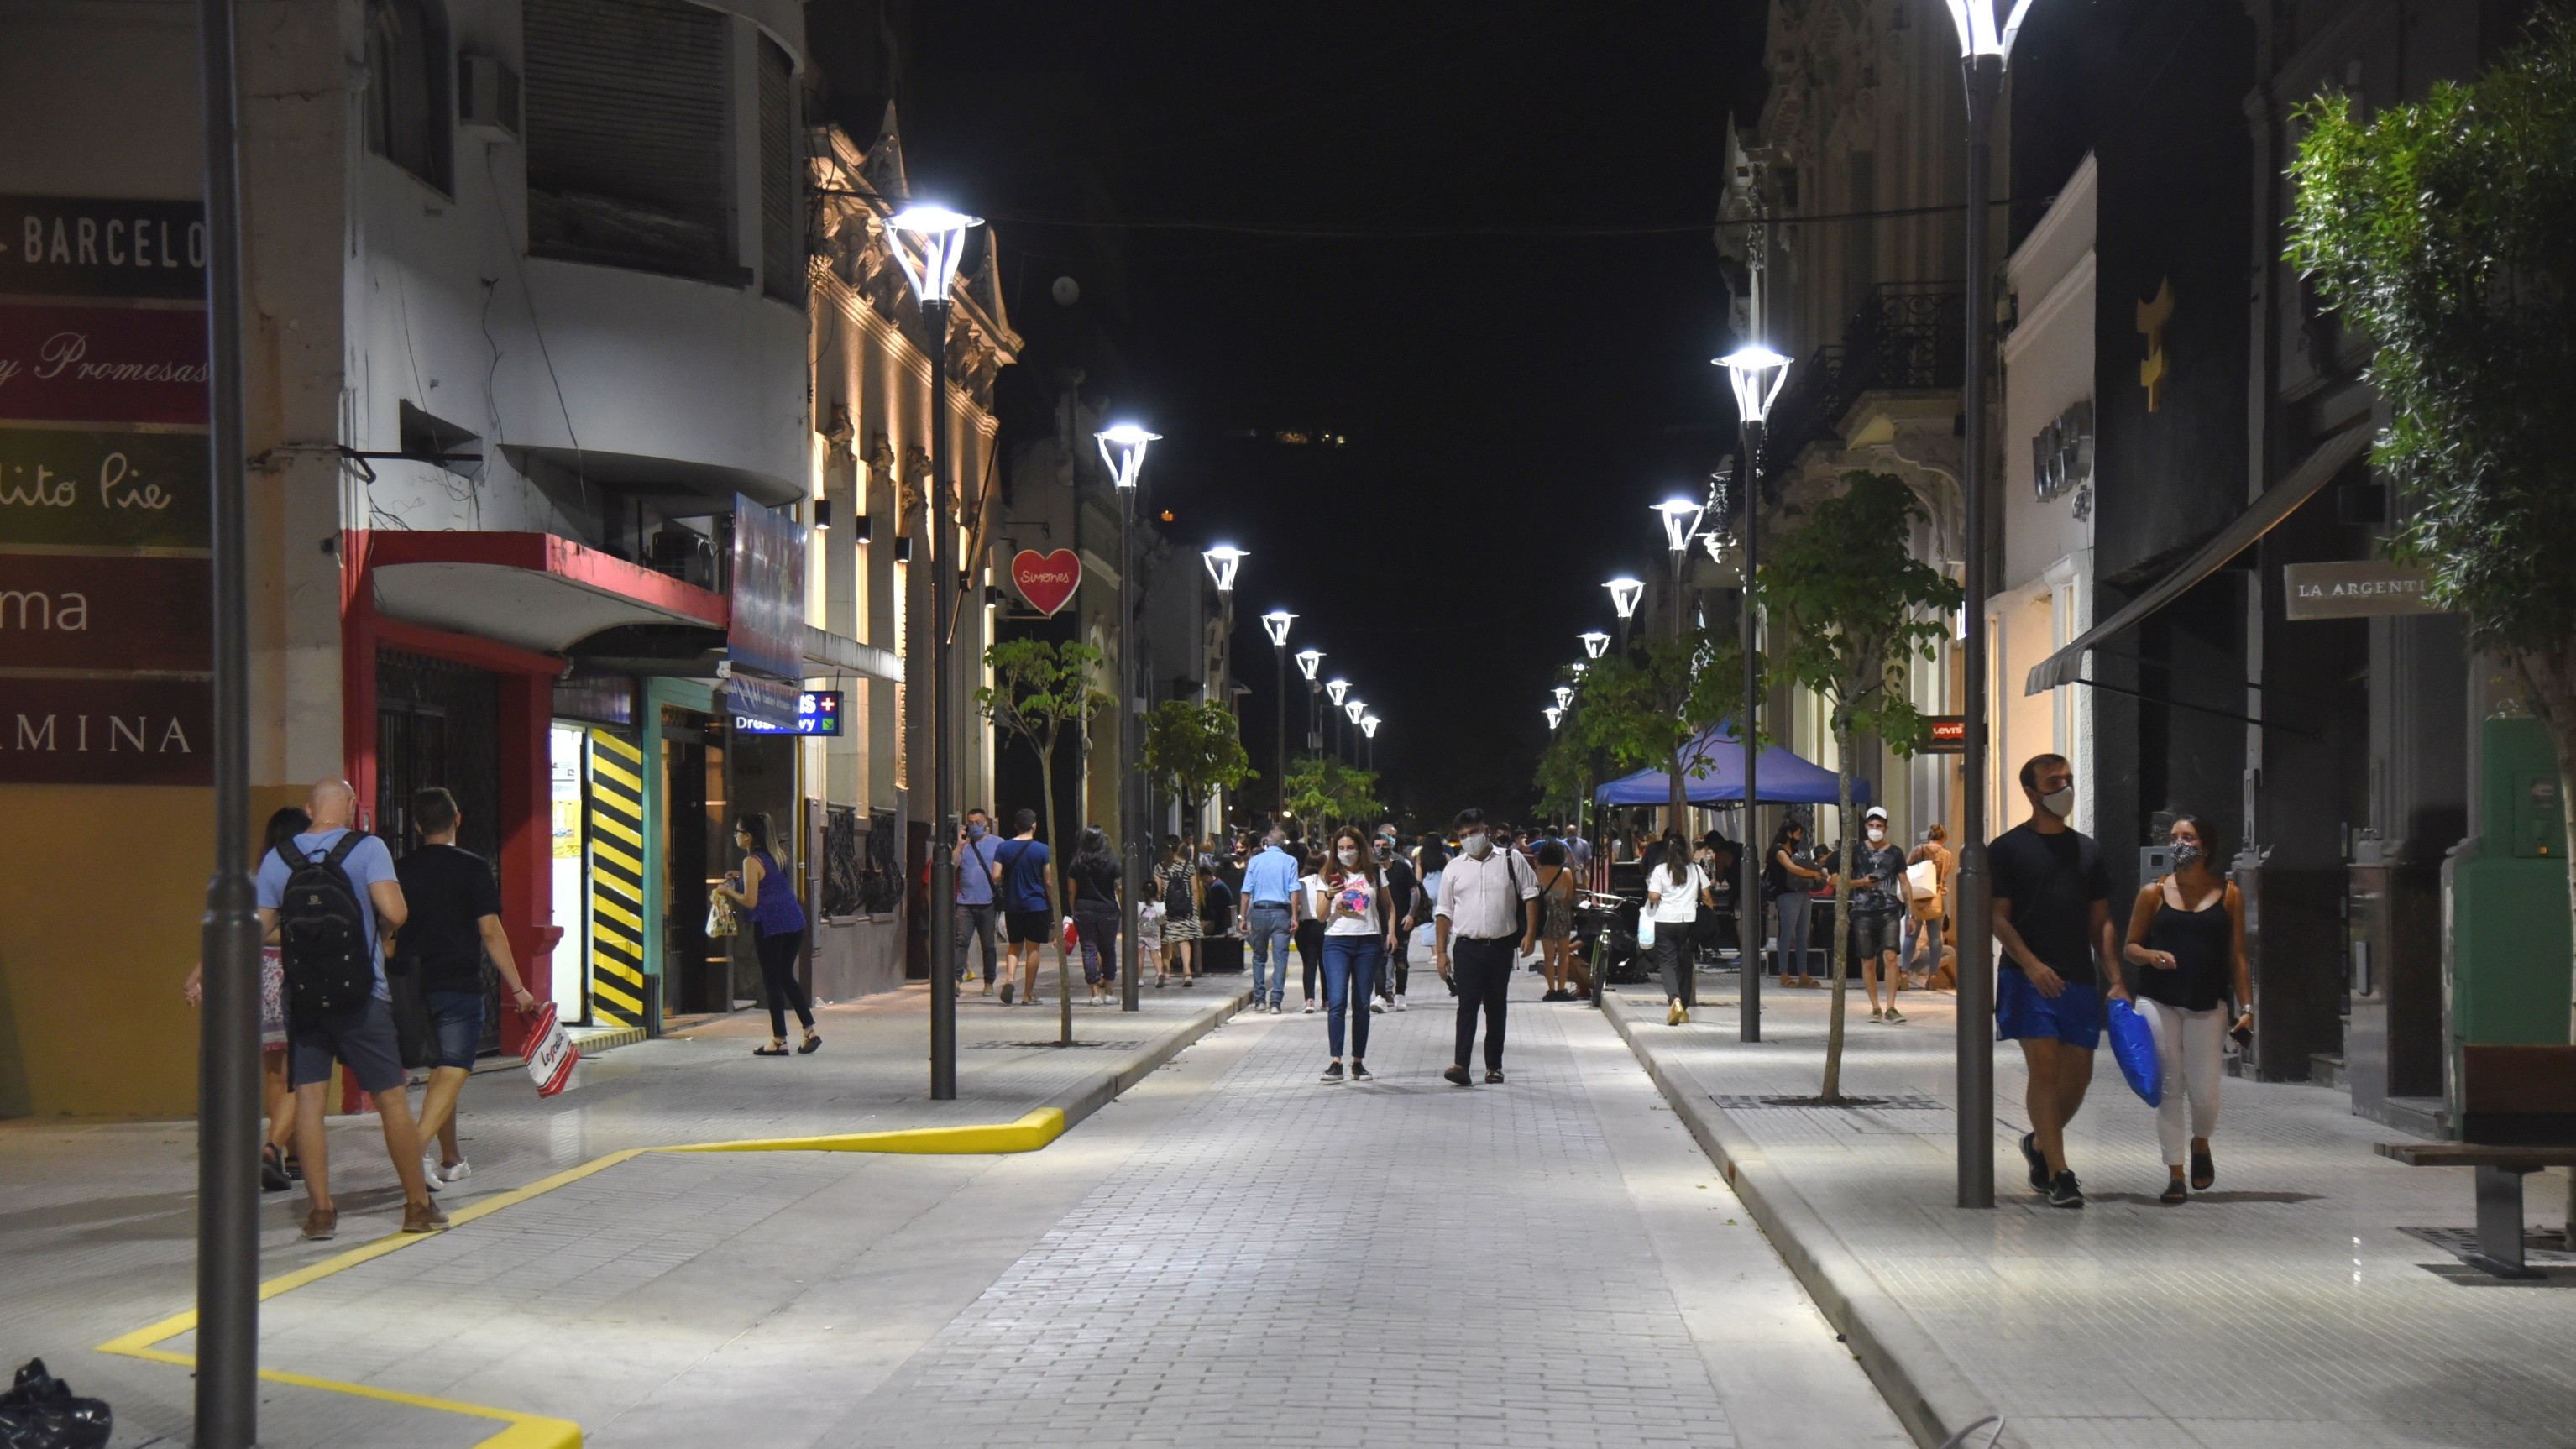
{"x":322,"y":933}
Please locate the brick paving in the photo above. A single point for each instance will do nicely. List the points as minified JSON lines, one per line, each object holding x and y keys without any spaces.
{"x":2285,"y":1309}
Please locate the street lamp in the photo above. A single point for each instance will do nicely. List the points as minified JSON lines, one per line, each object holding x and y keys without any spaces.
{"x":1277,"y":622}
{"x":1368,"y":727}
{"x":1624,"y":594}
{"x":1122,"y":450}
{"x":1595,"y":643}
{"x":1986,"y":31}
{"x":1565,"y":696}
{"x":1309,"y":660}
{"x":1334,"y":690}
{"x":1354,"y":708}
{"x":1681,"y":520}
{"x":1554,"y":713}
{"x":939,"y":236}
{"x":1222,"y":561}
{"x":1755,"y":373}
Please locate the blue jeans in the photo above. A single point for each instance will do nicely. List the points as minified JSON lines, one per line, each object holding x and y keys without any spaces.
{"x":1268,"y":929}
{"x":1350,"y":973}
{"x":1792,"y":911}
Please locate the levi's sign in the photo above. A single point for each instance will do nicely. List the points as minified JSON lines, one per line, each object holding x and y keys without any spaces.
{"x":1945,"y":734}
{"x":2358,"y":589}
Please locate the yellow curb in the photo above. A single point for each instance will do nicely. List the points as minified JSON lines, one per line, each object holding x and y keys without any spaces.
{"x":536,"y":1431}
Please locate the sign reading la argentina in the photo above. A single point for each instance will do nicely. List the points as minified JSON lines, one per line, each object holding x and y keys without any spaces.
{"x":2357,"y":589}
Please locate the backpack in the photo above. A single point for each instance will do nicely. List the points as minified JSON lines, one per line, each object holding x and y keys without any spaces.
{"x":322,"y":933}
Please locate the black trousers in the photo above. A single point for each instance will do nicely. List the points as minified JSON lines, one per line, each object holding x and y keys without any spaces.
{"x":1484,"y":975}
{"x":778,"y":978}
{"x":1310,"y":950}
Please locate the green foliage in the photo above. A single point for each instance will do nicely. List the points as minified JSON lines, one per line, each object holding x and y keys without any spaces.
{"x":2445,"y":231}
{"x":1191,"y":749}
{"x":1564,"y":777}
{"x":1323,"y":791}
{"x":1642,"y":708}
{"x":1849,"y":604}
{"x":1041,"y":689}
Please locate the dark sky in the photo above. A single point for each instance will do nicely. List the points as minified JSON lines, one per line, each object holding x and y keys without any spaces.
{"x":1514,"y":395}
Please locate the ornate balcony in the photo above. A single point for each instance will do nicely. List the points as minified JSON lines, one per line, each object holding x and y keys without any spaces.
{"x":1907,"y":337}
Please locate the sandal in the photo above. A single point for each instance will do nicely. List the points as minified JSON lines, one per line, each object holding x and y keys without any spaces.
{"x":774,"y":1049}
{"x":2203,"y":1170}
{"x":2174,"y":1193}
{"x":813,"y":1044}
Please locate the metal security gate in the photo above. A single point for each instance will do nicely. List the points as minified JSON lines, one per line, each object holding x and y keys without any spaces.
{"x":616,"y":838}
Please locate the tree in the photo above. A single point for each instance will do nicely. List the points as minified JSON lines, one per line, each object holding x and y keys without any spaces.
{"x":2445,"y":231}
{"x":1324,"y":791}
{"x":1646,"y":708}
{"x":1040,"y":691}
{"x":1849,"y":605}
{"x":1192,"y":750}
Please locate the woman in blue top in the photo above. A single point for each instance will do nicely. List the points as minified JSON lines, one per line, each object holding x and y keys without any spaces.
{"x":764,"y":893}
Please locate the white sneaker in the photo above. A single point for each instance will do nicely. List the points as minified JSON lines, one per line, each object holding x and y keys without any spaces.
{"x":1377,"y":1006}
{"x":461,"y":1171}
{"x":1310,"y":1009}
{"x":429,"y":1172}
{"x":1400,"y":1006}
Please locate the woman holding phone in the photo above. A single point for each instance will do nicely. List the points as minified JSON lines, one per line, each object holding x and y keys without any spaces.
{"x":2187,"y":941}
{"x":1359,"y":932}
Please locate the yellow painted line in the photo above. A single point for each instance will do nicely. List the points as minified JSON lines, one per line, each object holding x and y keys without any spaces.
{"x":537,"y":1431}
{"x":601,"y":819}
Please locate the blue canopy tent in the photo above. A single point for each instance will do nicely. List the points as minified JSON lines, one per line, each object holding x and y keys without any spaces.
{"x":1781,"y":777}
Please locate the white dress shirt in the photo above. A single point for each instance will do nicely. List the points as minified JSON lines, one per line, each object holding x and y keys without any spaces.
{"x":1482,"y":898}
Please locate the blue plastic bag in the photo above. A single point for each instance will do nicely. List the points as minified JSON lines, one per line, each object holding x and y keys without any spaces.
{"x":2133,"y":1043}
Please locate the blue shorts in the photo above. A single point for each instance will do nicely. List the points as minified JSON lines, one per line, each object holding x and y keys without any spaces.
{"x":457,"y":1017}
{"x":2073,"y":1016}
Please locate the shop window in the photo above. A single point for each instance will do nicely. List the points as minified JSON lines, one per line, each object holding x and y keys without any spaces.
{"x":628,"y":136}
{"x":406,"y":101}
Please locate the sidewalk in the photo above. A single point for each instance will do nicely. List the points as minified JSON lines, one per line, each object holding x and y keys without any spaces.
{"x":97,"y":1222}
{"x":2294,"y":1306}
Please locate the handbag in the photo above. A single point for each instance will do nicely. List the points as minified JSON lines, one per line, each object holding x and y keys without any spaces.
{"x":721,"y":920}
{"x":551,"y":1054}
{"x":1923,"y":880}
{"x":1645,"y":930}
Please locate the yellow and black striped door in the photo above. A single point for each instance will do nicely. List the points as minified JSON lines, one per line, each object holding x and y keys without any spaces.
{"x":616,"y":880}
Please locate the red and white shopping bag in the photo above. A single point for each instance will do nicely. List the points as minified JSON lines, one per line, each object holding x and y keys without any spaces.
{"x":551,"y":1054}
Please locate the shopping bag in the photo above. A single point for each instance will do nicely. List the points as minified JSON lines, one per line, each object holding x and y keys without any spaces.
{"x":1645,"y":931}
{"x":1923,"y":880}
{"x":721,"y":921}
{"x":2133,"y":1045}
{"x":551,"y":1054}
{"x":1066,"y":938}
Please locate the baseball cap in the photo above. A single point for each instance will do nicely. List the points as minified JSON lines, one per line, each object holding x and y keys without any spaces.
{"x":1874,"y":812}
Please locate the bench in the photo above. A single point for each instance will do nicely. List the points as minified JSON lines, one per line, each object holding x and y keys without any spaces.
{"x":2517,"y":1116}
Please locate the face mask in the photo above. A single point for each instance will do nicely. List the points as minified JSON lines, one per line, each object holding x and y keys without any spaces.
{"x":2185,"y":856}
{"x":974,"y":832}
{"x":1878,"y":835}
{"x":2060,"y":803}
{"x":1349,"y":856}
{"x":1476,"y":845}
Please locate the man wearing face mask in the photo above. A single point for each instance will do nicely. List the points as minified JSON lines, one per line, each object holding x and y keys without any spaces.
{"x":1488,"y":908}
{"x":1403,"y":899}
{"x":1878,"y":876}
{"x":2052,"y":917}
{"x":976,"y":873}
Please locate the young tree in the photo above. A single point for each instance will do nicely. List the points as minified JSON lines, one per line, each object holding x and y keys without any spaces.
{"x":1851,"y":606}
{"x":1040,"y":692}
{"x":2445,"y":231}
{"x":1325,"y":792}
{"x":1192,"y":750}
{"x":1645,"y":709}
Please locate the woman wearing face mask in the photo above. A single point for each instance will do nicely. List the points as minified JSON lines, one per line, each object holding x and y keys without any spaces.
{"x":1358,"y":933}
{"x":1675,"y":890}
{"x":2187,"y":939}
{"x":1789,"y":878}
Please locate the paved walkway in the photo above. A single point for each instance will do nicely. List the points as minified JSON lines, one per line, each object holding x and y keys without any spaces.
{"x":2290,"y":1308}
{"x":1232,"y":1253}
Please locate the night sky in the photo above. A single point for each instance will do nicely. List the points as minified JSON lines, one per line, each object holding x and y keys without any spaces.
{"x":1364,"y":221}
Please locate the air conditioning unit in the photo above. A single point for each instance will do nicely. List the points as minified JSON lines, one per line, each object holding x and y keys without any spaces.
{"x":487,"y":97}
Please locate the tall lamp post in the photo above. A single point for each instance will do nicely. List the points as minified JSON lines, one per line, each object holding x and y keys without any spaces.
{"x":1222,"y":562}
{"x":1277,"y":622}
{"x":1122,"y":448}
{"x":1755,"y":374}
{"x":1308,"y":661}
{"x":1986,"y":31}
{"x":1681,"y":519}
{"x":941,"y":236}
{"x":1368,"y":727}
{"x":1595,"y":643}
{"x":1335,"y":690}
{"x":1624,"y":594}
{"x":1353,"y":709}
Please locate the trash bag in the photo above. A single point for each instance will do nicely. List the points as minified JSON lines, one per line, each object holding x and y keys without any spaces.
{"x":2133,"y":1045}
{"x":39,"y":1412}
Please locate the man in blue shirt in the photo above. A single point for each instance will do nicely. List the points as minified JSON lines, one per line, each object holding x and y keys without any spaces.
{"x":976,"y":872}
{"x":1022,"y":884}
{"x":361,"y":1037}
{"x":1270,"y":918}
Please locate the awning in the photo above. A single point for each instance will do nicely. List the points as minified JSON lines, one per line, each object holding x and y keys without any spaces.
{"x":532,"y":590}
{"x":2330,"y":458}
{"x":831,"y":653}
{"x":1713,"y":774}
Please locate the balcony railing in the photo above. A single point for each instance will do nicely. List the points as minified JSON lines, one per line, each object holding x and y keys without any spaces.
{"x":1907,"y":337}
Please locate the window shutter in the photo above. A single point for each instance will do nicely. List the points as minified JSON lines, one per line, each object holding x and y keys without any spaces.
{"x":627,"y":135}
{"x":782,"y":217}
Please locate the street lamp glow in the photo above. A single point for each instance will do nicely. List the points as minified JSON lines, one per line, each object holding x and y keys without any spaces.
{"x":1337,"y":688}
{"x":1123,"y":449}
{"x":1595,"y":643}
{"x":1307,"y":661}
{"x":1222,"y":561}
{"x":1277,"y":622}
{"x":1368,"y":725}
{"x":942,"y":235}
{"x":1554,"y":714}
{"x":1681,"y":520}
{"x":1578,"y":666}
{"x":1981,"y":32}
{"x":1624,"y":594}
{"x":1564,"y":696}
{"x":1756,"y":373}
{"x":1355,"y":708}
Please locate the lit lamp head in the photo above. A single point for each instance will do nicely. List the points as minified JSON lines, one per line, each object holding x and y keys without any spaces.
{"x":1578,"y":666}
{"x":1595,"y":643}
{"x":1624,"y":594}
{"x":1555,"y":715}
{"x":1756,"y":373}
{"x":1355,"y":708}
{"x":1123,"y":449}
{"x":1987,"y":27}
{"x":1564,"y":696}
{"x":1308,"y":660}
{"x":1222,"y":561}
{"x":1337,"y":688}
{"x":1681,"y":520}
{"x":941,"y":235}
{"x":1277,"y":622}
{"x":1368,"y":725}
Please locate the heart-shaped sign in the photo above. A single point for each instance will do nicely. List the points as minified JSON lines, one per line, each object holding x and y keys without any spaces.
{"x":1047,"y":581}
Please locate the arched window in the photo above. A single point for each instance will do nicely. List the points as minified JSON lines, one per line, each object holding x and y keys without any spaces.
{"x":406,"y":101}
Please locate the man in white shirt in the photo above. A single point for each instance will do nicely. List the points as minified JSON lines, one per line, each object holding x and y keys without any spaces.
{"x":1488,"y":905}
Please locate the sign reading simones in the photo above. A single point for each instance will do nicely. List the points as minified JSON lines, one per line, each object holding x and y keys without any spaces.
{"x":1048,"y":580}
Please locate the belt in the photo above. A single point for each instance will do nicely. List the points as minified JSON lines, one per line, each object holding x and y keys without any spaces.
{"x":1270,"y":905}
{"x":1511,"y":936}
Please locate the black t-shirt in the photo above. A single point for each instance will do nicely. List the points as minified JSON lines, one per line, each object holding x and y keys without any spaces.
{"x":449,"y":892}
{"x":1095,"y":880}
{"x":2052,"y":882}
